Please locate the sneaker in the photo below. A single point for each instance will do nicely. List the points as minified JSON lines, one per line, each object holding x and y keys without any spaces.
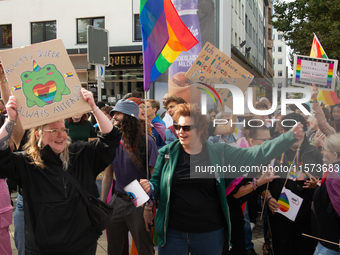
{"x":252,"y":225}
{"x":251,"y":252}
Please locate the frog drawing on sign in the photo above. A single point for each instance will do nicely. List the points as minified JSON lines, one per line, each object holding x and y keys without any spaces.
{"x":43,"y":86}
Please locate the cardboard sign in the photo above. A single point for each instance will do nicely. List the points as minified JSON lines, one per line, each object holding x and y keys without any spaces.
{"x":212,"y":67}
{"x":44,"y":82}
{"x":320,"y":71}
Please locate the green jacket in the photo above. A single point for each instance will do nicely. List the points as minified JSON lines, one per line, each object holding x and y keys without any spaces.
{"x":219,"y":154}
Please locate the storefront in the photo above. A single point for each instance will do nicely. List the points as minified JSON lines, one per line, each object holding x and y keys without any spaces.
{"x":123,"y":75}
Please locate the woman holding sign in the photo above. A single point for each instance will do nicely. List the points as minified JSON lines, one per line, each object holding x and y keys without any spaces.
{"x":193,"y":213}
{"x":55,"y":213}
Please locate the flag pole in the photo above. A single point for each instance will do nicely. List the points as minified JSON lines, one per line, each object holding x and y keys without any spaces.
{"x":146,"y":138}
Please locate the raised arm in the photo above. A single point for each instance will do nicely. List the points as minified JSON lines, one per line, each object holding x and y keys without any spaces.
{"x":319,"y":115}
{"x":105,"y":125}
{"x":7,"y":128}
{"x":18,"y":131}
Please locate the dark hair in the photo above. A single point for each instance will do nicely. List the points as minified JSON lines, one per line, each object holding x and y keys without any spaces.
{"x":194,"y":112}
{"x":336,"y":105}
{"x":212,"y":110}
{"x":128,"y":95}
{"x":82,"y":120}
{"x":294,"y":116}
{"x":137,"y":94}
{"x":252,"y":131}
{"x":100,"y":104}
{"x":131,"y":132}
{"x":154,"y":104}
{"x":106,"y":109}
{"x":260,"y":105}
{"x":177,"y":100}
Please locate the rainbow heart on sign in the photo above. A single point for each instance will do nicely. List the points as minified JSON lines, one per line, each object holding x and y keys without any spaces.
{"x":45,"y":92}
{"x":284,"y":202}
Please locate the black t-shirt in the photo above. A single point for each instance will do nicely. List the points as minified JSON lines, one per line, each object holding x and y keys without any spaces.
{"x":194,"y":201}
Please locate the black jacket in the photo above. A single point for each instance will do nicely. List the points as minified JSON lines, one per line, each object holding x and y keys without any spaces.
{"x":327,"y":223}
{"x":54,"y":211}
{"x":309,"y":154}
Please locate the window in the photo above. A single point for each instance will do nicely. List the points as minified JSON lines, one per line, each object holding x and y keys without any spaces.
{"x":273,"y":49}
{"x":246,"y":23}
{"x":273,"y":36}
{"x":43,"y":31}
{"x":279,"y":37}
{"x":273,"y":61}
{"x":5,"y":36}
{"x":82,"y":27}
{"x":280,"y":84}
{"x":279,"y":73}
{"x":279,"y":61}
{"x":137,"y":30}
{"x":279,"y":49}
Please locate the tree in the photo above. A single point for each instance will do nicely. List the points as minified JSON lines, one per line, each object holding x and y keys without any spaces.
{"x":299,"y":19}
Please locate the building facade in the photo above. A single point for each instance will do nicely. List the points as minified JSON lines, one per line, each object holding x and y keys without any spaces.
{"x":24,"y":22}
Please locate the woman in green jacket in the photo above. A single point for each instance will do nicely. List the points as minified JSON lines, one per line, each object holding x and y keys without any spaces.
{"x":190,"y":180}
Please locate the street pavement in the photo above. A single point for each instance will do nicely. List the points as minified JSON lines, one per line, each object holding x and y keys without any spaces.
{"x":102,"y":242}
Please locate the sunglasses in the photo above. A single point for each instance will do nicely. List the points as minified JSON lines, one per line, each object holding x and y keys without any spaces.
{"x":185,"y":128}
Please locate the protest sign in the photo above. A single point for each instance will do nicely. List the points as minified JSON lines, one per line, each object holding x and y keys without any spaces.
{"x":212,"y":67}
{"x":320,"y":71}
{"x":290,"y":204}
{"x":44,"y":82}
{"x":136,"y":193}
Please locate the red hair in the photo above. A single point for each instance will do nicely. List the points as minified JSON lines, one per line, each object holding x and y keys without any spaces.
{"x":82,"y":121}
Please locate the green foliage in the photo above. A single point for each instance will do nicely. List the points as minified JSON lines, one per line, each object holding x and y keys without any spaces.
{"x":299,"y":19}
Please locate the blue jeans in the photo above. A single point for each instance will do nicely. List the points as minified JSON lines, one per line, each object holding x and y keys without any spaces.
{"x":180,"y":243}
{"x":322,"y":250}
{"x":19,"y":226}
{"x":247,"y":229}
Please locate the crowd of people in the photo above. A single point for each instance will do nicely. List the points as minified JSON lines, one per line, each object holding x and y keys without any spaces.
{"x":196,"y":212}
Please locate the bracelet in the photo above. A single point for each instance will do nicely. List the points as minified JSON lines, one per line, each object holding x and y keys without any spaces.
{"x":313,"y":101}
{"x":147,"y":208}
{"x":269,"y":198}
{"x":95,"y":110}
{"x":4,"y":80}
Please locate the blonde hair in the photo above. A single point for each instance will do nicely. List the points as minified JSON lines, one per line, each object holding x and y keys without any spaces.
{"x":333,"y":143}
{"x":33,"y":148}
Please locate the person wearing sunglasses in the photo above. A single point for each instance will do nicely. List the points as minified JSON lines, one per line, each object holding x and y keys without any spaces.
{"x":193,"y":213}
{"x":326,"y":199}
{"x":299,"y":160}
{"x":56,"y":216}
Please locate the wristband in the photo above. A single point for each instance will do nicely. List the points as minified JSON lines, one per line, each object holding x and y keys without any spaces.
{"x":269,"y":198}
{"x":95,"y":110}
{"x":313,"y":101}
{"x":4,"y":80}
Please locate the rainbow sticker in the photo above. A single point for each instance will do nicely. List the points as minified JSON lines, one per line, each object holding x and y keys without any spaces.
{"x":36,"y":67}
{"x":45,"y":92}
{"x":330,"y":75}
{"x":283,"y":201}
{"x":14,"y":88}
{"x":66,"y":75}
{"x":298,"y":69}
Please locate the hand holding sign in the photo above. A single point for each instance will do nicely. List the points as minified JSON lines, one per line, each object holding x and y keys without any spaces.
{"x":11,"y":108}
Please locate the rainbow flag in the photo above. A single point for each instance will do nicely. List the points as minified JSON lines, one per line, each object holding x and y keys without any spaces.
{"x":328,"y":97}
{"x":284,"y":202}
{"x":317,"y":50}
{"x":164,"y":35}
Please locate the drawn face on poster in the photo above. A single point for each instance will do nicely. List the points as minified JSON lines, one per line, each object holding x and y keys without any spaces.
{"x":44,"y":82}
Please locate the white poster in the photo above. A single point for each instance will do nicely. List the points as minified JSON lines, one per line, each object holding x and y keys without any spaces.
{"x":136,"y":193}
{"x":290,"y":204}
